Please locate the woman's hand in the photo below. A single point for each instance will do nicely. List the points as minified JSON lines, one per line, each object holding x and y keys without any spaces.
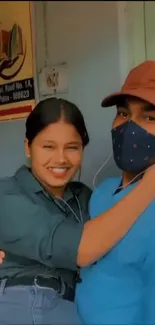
{"x":2,"y":256}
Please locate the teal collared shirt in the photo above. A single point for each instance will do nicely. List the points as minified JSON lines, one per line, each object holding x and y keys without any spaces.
{"x":39,"y":233}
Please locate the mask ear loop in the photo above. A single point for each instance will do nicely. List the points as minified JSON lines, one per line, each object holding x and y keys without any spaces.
{"x":99,"y":170}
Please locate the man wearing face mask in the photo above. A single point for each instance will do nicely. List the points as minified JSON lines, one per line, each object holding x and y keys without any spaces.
{"x":120,"y":287}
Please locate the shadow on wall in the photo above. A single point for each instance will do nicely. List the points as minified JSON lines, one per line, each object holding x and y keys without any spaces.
{"x":12,"y":134}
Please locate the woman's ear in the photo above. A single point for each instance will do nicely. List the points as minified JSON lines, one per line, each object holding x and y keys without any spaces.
{"x":27,"y":149}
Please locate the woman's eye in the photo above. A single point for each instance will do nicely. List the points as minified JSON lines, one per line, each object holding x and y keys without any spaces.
{"x":73,"y":148}
{"x":48,"y":147}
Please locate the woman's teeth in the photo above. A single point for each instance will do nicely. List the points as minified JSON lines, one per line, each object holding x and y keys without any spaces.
{"x":58,"y":170}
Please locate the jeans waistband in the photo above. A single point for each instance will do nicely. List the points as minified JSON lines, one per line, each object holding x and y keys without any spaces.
{"x":54,"y":283}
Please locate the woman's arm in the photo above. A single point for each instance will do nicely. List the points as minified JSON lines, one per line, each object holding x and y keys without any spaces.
{"x":103,"y":232}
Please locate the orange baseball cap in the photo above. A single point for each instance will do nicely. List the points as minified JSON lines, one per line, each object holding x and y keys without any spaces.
{"x":140,"y":83}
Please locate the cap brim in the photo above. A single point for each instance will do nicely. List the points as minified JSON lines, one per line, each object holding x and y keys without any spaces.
{"x":111,"y":100}
{"x":144,"y":94}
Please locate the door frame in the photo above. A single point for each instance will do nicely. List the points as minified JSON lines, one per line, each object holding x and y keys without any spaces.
{"x":132,"y":35}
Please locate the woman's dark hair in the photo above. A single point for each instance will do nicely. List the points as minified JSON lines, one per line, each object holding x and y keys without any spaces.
{"x":52,"y":110}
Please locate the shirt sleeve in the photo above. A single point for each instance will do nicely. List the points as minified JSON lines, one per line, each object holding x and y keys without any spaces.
{"x":31,"y":231}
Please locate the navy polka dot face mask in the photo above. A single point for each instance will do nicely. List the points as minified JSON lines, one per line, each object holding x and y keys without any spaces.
{"x":133,"y":147}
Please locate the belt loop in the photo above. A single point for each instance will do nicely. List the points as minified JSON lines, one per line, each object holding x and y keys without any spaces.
{"x":2,"y":286}
{"x":62,"y":289}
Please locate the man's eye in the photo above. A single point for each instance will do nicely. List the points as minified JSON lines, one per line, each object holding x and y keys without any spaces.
{"x":122,"y":114}
{"x":150,"y":118}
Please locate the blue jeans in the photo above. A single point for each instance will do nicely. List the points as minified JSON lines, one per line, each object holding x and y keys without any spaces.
{"x":35,"y":305}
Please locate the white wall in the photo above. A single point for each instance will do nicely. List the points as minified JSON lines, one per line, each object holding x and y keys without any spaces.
{"x":85,"y":35}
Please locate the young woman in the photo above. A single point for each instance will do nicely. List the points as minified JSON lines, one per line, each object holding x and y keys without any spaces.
{"x":45,"y":229}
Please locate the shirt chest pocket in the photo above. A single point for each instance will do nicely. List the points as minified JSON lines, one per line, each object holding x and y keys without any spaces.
{"x":58,"y":208}
{"x":44,"y":200}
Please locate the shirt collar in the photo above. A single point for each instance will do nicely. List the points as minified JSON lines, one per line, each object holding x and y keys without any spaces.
{"x":27,"y":181}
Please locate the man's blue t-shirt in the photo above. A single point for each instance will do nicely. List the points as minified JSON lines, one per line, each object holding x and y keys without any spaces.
{"x":120,"y":287}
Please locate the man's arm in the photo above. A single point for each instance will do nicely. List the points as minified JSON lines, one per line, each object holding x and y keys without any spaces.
{"x":52,"y":239}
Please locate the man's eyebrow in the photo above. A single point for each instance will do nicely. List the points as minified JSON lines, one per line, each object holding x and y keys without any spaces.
{"x":149,"y":108}
{"x":122,"y":107}
{"x":122,"y":103}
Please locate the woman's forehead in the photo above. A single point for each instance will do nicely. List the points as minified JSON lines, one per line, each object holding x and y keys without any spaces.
{"x":59,"y":131}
